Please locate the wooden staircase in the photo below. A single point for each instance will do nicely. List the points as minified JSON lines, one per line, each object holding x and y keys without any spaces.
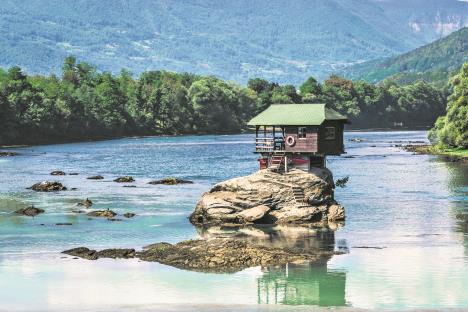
{"x":276,"y":162}
{"x":298,"y":194}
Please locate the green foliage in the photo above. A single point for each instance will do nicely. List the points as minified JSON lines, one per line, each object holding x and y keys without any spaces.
{"x":84,"y":103}
{"x":452,"y":129}
{"x":431,"y":63}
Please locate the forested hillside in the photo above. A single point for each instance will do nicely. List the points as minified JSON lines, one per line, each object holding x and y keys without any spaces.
{"x":236,"y":40}
{"x":432,"y":63}
{"x":84,"y":103}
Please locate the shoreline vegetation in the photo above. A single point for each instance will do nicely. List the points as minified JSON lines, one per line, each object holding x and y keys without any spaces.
{"x":449,"y":153}
{"x":84,"y":103}
{"x":98,"y":139}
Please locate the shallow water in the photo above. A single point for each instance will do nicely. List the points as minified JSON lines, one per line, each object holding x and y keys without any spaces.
{"x":403,"y":206}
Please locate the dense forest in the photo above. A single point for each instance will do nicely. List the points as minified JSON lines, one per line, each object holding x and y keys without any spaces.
{"x":452,"y":129}
{"x":87,"y":104}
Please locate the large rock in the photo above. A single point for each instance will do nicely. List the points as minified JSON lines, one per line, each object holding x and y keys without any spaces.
{"x":265,"y":197}
{"x":47,"y":186}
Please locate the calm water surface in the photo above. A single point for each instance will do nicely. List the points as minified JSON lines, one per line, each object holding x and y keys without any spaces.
{"x":403,"y":206}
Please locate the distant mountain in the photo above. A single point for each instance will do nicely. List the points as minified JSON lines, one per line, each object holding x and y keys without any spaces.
{"x":433,"y":62}
{"x":285,"y":41}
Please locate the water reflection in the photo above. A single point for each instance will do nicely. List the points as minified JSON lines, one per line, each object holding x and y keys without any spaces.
{"x":304,"y":283}
{"x":458,"y":186}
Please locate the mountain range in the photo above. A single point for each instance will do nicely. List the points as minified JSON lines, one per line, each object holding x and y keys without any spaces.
{"x":283,"y":41}
{"x":433,"y":62}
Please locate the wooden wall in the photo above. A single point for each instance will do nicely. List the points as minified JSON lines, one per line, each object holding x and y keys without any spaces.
{"x":305,"y":145}
{"x":331,"y":147}
{"x":315,"y":140}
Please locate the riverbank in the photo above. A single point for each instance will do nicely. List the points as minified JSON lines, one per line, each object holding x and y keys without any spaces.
{"x":449,"y":154}
{"x":66,"y":140}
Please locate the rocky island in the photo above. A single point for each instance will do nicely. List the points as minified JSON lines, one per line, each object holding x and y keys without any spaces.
{"x":239,"y":218}
{"x":265,"y":197}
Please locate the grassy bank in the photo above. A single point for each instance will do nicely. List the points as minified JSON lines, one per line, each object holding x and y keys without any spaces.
{"x":452,"y":154}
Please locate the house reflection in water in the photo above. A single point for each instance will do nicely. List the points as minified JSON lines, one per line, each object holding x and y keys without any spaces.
{"x":309,"y":283}
{"x":306,"y":283}
{"x":302,"y":284}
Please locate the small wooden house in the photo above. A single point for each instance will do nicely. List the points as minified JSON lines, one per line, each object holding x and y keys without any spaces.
{"x":297,"y":135}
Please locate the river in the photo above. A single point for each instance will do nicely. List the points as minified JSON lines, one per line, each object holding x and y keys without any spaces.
{"x":405,"y":245}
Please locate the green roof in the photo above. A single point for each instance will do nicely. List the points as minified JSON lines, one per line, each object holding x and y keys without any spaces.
{"x":295,"y":115}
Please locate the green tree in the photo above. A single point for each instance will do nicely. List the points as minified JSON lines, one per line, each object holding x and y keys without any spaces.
{"x":452,"y":129}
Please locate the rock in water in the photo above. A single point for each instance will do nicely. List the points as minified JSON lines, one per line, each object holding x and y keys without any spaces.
{"x":29,"y":211}
{"x":265,"y":197}
{"x":8,"y":154}
{"x":129,"y":215}
{"x":171,"y":181}
{"x":96,"y":177}
{"x":342,"y":182}
{"x":86,"y":202}
{"x":224,"y":255}
{"x":46,"y":186}
{"x":126,"y":179}
{"x":116,"y":253}
{"x":57,"y":173}
{"x":102,"y":213}
{"x":82,"y":252}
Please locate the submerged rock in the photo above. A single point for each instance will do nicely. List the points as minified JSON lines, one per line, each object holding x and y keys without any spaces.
{"x":116,"y":253}
{"x":57,"y":173}
{"x":86,"y":203}
{"x":29,"y":211}
{"x":129,"y":215}
{"x":8,"y":154}
{"x":102,"y":213}
{"x":209,"y":255}
{"x":126,"y":179}
{"x":96,"y":177}
{"x":73,"y":173}
{"x":82,"y":252}
{"x":171,"y":181}
{"x":46,"y":186}
{"x":266,"y":197}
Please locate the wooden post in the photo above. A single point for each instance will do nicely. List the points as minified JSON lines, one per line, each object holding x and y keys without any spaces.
{"x":285,"y":163}
{"x":274,"y":144}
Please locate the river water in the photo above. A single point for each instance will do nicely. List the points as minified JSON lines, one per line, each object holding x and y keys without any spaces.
{"x":405,"y":242}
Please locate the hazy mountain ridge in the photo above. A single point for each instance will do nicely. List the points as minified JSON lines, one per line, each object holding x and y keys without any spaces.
{"x":232,"y":39}
{"x":433,"y":62}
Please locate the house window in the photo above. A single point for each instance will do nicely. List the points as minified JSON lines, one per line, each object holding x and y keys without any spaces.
{"x":329,"y":133}
{"x":301,"y":132}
